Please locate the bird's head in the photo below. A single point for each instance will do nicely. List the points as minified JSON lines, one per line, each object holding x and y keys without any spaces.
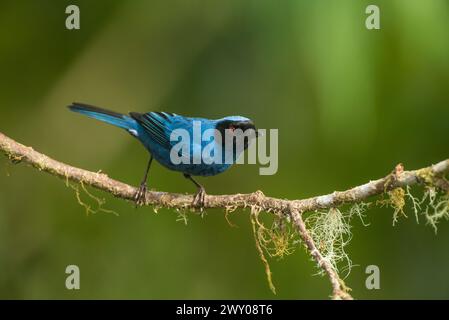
{"x":239,"y":127}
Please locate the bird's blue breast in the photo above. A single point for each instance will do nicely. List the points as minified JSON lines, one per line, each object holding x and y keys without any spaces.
{"x":156,"y":139}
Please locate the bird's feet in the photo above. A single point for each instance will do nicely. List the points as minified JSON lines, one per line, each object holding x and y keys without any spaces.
{"x":198,"y":199}
{"x":140,"y":196}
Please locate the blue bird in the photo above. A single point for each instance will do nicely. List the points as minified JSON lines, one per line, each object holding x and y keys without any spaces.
{"x":154,"y":130}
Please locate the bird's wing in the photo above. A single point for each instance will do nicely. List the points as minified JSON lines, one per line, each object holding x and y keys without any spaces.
{"x":157,"y":124}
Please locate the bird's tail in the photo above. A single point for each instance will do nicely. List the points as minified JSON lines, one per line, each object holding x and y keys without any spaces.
{"x":111,"y":117}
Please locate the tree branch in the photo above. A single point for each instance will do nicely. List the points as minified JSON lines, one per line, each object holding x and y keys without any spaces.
{"x":17,"y":152}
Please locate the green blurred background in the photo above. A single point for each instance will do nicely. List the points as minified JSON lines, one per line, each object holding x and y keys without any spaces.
{"x":349,"y":104}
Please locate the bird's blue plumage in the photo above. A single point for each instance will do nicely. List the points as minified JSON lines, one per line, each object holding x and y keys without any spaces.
{"x":153,"y":130}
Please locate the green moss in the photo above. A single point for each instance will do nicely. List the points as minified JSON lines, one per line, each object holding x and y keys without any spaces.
{"x":437,"y":207}
{"x":182,"y":215}
{"x":89,"y":208}
{"x":426,"y":175}
{"x":228,"y":211}
{"x":397,"y":202}
{"x":330,"y":230}
{"x":415,"y":202}
{"x":256,"y":225}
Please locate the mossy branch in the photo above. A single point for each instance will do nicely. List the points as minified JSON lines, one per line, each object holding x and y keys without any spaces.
{"x":292,"y":209}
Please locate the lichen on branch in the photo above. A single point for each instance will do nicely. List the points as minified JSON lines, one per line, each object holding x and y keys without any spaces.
{"x":324,"y":233}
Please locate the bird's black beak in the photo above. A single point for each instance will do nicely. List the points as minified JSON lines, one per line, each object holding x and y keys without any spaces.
{"x":246,"y":125}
